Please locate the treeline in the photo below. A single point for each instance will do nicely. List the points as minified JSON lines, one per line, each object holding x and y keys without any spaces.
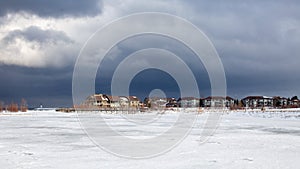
{"x":14,"y":107}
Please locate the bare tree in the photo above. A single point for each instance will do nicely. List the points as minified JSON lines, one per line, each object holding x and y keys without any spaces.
{"x":23,"y":107}
{"x":1,"y":106}
{"x":13,"y":107}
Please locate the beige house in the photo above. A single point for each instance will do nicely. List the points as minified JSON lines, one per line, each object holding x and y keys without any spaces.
{"x":114,"y":101}
{"x":134,"y":101}
{"x":98,"y":100}
{"x":124,"y":102}
{"x":107,"y":101}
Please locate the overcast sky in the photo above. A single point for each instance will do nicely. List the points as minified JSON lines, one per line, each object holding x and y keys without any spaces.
{"x":257,"y":41}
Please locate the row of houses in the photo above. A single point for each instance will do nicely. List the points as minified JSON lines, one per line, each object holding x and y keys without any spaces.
{"x":271,"y":102}
{"x":211,"y":101}
{"x":107,"y":101}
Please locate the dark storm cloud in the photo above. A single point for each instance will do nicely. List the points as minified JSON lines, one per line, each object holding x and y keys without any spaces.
{"x":34,"y":33}
{"x":258,"y":42}
{"x":51,"y":87}
{"x":142,"y":84}
{"x":52,"y":8}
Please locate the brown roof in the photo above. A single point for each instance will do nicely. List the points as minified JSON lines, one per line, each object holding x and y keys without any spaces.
{"x":229,"y":98}
{"x":254,"y":97}
{"x":134,"y":98}
{"x":279,"y":97}
{"x":100,"y":97}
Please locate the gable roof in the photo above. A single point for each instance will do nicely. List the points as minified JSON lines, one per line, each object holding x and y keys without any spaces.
{"x":219,"y":97}
{"x":113,"y":98}
{"x":188,"y":98}
{"x":257,"y":97}
{"x":279,"y":97}
{"x":133,"y":98}
{"x":100,"y":97}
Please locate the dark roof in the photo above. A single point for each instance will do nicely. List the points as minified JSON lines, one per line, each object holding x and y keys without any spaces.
{"x":256,"y":97}
{"x":218,"y":97}
{"x":171,"y":99}
{"x":157,"y":98}
{"x":188,"y":98}
{"x":113,"y":98}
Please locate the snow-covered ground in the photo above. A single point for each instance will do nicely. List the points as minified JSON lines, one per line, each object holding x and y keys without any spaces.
{"x":49,"y":139}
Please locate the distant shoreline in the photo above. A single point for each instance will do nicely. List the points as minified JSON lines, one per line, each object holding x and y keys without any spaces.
{"x":166,"y":111}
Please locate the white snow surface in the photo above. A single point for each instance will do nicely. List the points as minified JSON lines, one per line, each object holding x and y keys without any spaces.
{"x":53,"y":140}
